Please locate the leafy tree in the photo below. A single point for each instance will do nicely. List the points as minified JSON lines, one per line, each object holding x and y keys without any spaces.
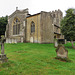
{"x":3,"y":23}
{"x":68,"y":25}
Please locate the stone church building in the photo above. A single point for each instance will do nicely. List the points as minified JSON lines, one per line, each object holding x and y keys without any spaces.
{"x":42,"y":27}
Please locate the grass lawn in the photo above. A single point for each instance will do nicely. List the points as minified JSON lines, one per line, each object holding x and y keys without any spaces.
{"x":36,"y":59}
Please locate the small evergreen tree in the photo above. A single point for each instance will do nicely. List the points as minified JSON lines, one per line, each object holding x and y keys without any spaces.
{"x":3,"y":23}
{"x":68,"y":25}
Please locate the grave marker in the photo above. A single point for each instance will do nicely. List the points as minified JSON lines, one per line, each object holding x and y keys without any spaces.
{"x":3,"y":57}
{"x":61,"y":52}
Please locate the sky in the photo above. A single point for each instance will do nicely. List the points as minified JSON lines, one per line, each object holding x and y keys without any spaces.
{"x":7,"y":7}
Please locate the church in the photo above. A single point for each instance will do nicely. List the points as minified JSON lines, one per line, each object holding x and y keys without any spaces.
{"x":41,"y":27}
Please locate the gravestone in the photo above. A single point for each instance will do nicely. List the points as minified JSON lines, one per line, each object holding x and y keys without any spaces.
{"x":22,"y":39}
{"x":3,"y":57}
{"x":61,"y":52}
{"x":55,"y":43}
{"x":31,"y":39}
{"x":65,"y":41}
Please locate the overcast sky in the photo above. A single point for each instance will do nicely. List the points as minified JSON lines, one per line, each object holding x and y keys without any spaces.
{"x":7,"y":7}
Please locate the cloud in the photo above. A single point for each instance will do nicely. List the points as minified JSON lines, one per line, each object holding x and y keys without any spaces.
{"x":9,"y":6}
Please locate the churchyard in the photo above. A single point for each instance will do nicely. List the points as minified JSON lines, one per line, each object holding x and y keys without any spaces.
{"x":36,"y":59}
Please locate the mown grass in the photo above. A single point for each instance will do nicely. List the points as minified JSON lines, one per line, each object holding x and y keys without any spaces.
{"x":36,"y":59}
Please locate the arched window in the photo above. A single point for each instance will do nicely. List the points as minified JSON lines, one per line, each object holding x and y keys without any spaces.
{"x":32,"y":27}
{"x":16,"y":26}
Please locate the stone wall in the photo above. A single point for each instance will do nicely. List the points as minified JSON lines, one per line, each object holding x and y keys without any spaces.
{"x":35,"y":36}
{"x":57,"y":15}
{"x":46,"y":23}
{"x":47,"y":33}
{"x":21,"y":15}
{"x":44,"y":27}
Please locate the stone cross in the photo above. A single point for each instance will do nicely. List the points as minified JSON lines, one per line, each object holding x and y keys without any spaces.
{"x":2,"y":46}
{"x":3,"y":57}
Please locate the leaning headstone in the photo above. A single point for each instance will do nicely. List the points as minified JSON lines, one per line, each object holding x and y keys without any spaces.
{"x":61,"y":52}
{"x":65,"y":41}
{"x":3,"y":57}
{"x":55,"y":43}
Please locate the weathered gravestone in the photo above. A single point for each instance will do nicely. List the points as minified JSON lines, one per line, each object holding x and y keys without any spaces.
{"x":61,"y":52}
{"x":55,"y":43}
{"x":3,"y":57}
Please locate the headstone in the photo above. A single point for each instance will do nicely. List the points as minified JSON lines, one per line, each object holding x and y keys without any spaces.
{"x":61,"y":52}
{"x":31,"y":39}
{"x":7,"y":40}
{"x":10,"y":41}
{"x":56,"y":43}
{"x":21,"y":39}
{"x":15,"y":40}
{"x":65,"y":41}
{"x":3,"y":57}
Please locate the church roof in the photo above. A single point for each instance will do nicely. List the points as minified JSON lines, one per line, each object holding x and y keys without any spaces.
{"x":29,"y":15}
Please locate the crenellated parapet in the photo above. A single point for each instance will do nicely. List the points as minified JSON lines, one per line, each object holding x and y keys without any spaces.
{"x":57,"y":16}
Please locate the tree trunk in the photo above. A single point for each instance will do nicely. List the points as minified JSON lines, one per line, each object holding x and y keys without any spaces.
{"x":72,"y":44}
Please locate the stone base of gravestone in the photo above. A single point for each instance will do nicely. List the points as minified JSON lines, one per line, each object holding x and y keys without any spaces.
{"x":3,"y":58}
{"x":61,"y":52}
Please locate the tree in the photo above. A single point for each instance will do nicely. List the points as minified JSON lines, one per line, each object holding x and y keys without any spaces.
{"x":68,"y":25}
{"x":3,"y":23}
